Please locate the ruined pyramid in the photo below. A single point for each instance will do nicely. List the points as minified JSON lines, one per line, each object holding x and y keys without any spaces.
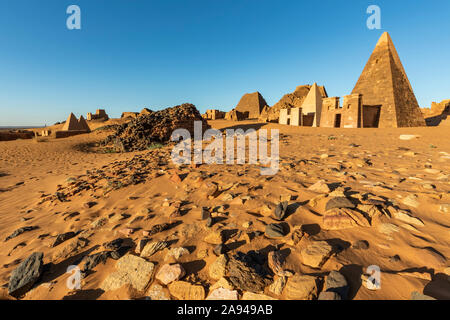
{"x":384,"y":84}
{"x":71,"y":123}
{"x":251,"y":104}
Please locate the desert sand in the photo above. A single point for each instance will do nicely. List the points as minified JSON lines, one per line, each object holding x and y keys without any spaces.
{"x":401,"y":188}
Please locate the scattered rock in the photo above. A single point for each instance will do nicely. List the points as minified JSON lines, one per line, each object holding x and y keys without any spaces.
{"x":131,"y":270}
{"x":169,"y":273}
{"x":60,"y":238}
{"x":176,"y":253}
{"x":329,"y":295}
{"x":276,"y":262}
{"x":243,"y":274}
{"x":301,"y":287}
{"x":255,"y":296}
{"x":336,"y":282}
{"x":223,"y":294}
{"x":278,"y":285}
{"x":20,"y":231}
{"x":280,"y":210}
{"x":157,"y":292}
{"x":26,"y":274}
{"x":316,"y":254}
{"x":339,"y":202}
{"x":361,"y":245}
{"x":90,"y":262}
{"x":70,"y":248}
{"x":320,"y":186}
{"x":337,"y":220}
{"x":96,"y":224}
{"x":183,"y":290}
{"x":218,"y":268}
{"x":274,"y":230}
{"x":215,"y":237}
{"x":153,"y":247}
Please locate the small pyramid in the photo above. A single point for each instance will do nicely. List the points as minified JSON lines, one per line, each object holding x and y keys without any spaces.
{"x":82,"y":124}
{"x":383,"y":83}
{"x":71,"y":123}
{"x":313,"y":104}
{"x":251,"y":104}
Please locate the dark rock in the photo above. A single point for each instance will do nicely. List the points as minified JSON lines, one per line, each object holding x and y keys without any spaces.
{"x":20,"y":231}
{"x":114,"y":244}
{"x":395,"y":258}
{"x":158,"y":228}
{"x":90,"y":262}
{"x":89,"y":204}
{"x":339,"y":202}
{"x":209,"y":222}
{"x":60,"y":238}
{"x":275,"y":230}
{"x":336,"y":282}
{"x":280,"y":210}
{"x":247,"y":273}
{"x":361,"y":245}
{"x":26,"y":274}
{"x":205,"y":214}
{"x":157,"y":127}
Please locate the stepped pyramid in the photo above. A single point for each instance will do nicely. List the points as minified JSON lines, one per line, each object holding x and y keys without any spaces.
{"x":71,"y":123}
{"x":313,"y":104}
{"x":384,"y":83}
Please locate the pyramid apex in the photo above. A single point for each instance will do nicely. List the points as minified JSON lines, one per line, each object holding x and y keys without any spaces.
{"x":385,"y":38}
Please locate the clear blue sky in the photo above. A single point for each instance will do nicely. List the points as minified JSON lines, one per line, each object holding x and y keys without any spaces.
{"x":132,"y":54}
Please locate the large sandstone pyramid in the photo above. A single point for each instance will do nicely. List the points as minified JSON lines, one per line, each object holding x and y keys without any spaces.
{"x":71,"y":123}
{"x":251,"y":105}
{"x":384,"y":84}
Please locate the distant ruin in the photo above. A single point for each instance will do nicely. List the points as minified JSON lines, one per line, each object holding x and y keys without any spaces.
{"x":100,"y":114}
{"x":438,"y":114}
{"x":382,"y":98}
{"x":213,"y":114}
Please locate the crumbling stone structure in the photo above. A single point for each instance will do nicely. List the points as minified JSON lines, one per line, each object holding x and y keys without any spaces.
{"x":235,"y":115}
{"x":100,"y":114}
{"x":214,"y":114}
